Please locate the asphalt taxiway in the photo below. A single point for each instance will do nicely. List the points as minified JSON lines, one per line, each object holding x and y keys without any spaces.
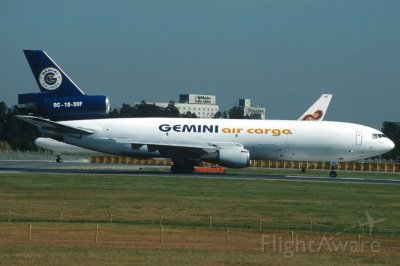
{"x":86,"y":168}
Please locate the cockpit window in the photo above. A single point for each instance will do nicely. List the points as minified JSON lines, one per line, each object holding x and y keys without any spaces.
{"x":378,"y":136}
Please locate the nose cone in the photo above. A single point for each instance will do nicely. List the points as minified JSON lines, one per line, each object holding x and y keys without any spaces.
{"x":385,"y":145}
{"x":389,"y":145}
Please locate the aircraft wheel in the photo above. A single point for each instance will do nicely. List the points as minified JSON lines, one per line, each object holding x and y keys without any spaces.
{"x":174,"y":169}
{"x":333,"y":174}
{"x":177,"y":169}
{"x":59,"y":159}
{"x":187,"y":168}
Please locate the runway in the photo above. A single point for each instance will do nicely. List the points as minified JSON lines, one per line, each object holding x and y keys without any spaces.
{"x":85,"y":168}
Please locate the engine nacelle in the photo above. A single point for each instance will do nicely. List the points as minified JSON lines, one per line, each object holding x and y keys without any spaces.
{"x":234,"y":158}
{"x":230,"y":157}
{"x":64,"y":108}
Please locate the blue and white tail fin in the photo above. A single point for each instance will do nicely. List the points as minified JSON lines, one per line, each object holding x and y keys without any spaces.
{"x":59,"y":97}
{"x":318,"y":110}
{"x":49,"y":76}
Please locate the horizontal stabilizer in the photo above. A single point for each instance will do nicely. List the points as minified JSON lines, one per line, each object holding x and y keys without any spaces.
{"x":53,"y":127}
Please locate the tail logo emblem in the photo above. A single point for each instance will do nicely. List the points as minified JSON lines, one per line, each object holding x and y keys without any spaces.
{"x":313,"y":117}
{"x":50,"y":78}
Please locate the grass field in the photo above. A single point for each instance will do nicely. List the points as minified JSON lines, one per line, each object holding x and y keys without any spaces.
{"x":65,"y":210}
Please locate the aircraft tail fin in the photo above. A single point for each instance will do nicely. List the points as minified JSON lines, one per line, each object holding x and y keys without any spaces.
{"x":318,"y":110}
{"x":49,"y":76}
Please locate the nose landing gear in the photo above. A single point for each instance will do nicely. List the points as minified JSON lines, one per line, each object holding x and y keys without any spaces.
{"x":59,"y":158}
{"x":334,"y":166}
{"x":333,"y":173}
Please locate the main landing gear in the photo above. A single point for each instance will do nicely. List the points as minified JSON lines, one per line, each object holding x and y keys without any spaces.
{"x":183,"y":166}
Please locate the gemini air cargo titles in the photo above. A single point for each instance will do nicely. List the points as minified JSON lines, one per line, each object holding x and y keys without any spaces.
{"x":215,"y":129}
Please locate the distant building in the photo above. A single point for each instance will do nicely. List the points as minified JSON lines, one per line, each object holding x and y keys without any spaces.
{"x":197,"y":99}
{"x":204,"y":106}
{"x":251,"y":111}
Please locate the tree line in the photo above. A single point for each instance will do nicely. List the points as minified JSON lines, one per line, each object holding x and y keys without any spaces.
{"x":144,"y":109}
{"x":18,"y":135}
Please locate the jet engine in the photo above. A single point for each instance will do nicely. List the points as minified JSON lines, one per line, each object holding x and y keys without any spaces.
{"x":229,"y":157}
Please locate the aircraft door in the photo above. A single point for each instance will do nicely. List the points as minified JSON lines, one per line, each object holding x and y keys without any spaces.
{"x":289,"y":150}
{"x":358,"y":138}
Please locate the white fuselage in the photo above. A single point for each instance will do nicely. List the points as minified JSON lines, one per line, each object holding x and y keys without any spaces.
{"x":265,"y":139}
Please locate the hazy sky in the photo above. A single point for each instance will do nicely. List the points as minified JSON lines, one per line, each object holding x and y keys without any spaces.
{"x":280,"y":54}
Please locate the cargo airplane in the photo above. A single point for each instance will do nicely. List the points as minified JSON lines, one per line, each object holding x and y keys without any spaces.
{"x":228,"y":142}
{"x":315,"y":113}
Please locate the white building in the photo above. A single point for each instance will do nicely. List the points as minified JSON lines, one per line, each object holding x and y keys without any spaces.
{"x":254,"y":112}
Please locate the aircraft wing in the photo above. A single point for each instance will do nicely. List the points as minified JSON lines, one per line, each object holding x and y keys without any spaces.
{"x":184,"y":146}
{"x":53,"y":127}
{"x":220,"y":152}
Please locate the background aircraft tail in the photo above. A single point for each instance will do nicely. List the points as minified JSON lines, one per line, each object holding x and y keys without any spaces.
{"x":49,"y":76}
{"x":318,"y":110}
{"x":59,"y":97}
